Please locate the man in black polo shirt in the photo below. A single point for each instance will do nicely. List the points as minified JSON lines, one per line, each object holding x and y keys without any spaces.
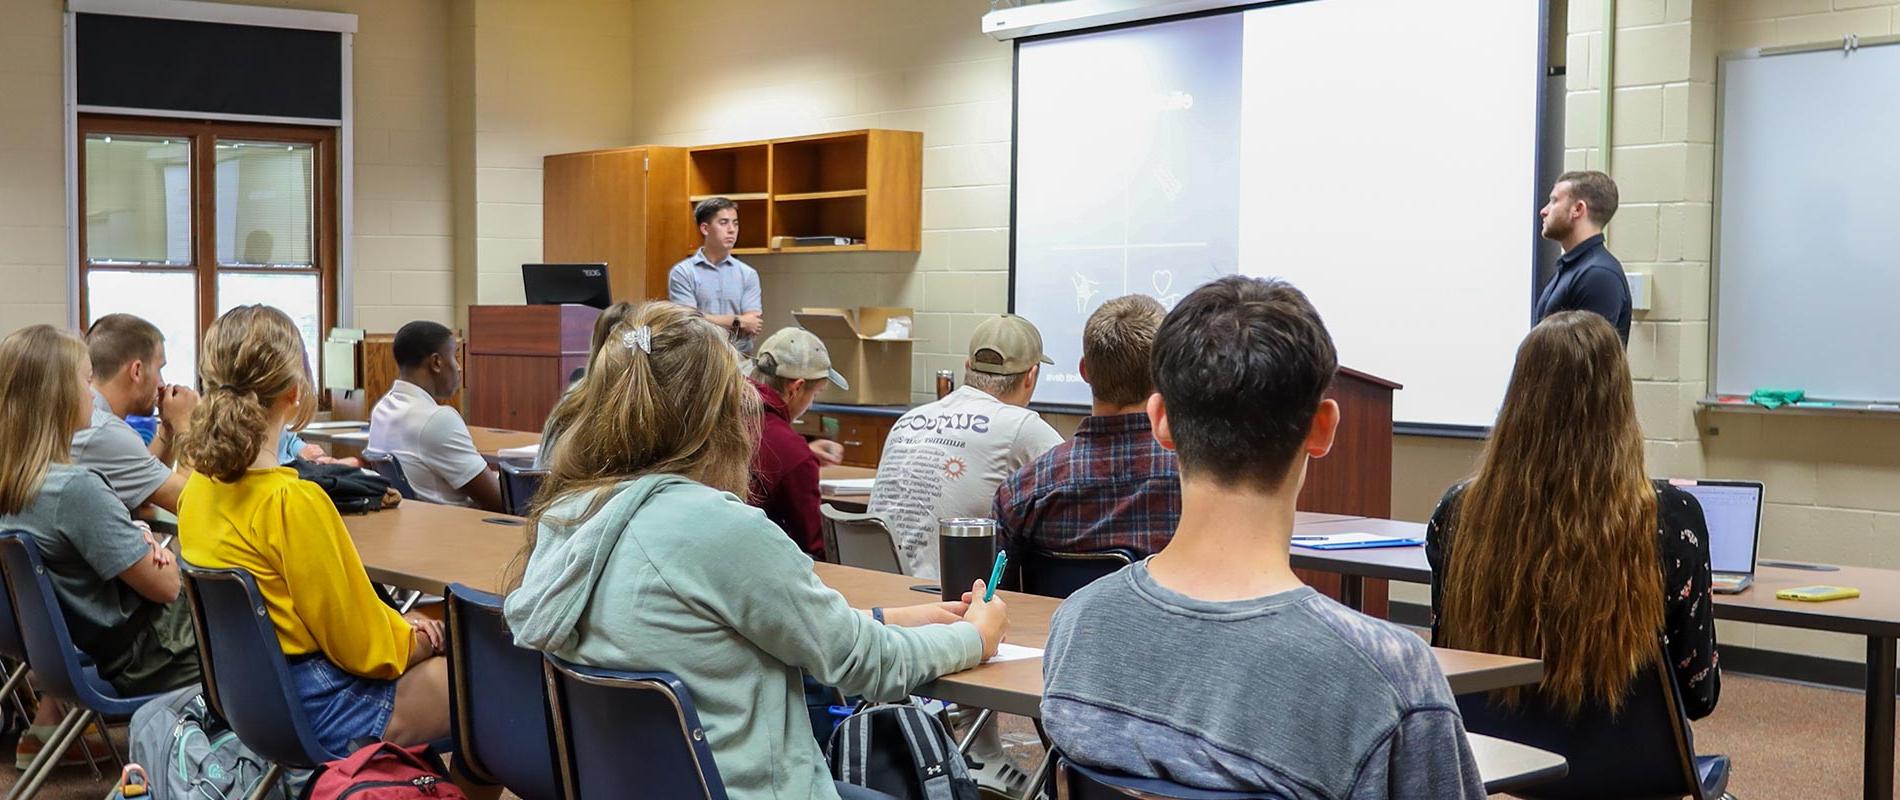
{"x":1588,"y":277}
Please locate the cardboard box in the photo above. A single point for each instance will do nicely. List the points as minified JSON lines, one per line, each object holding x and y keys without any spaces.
{"x":877,"y":369}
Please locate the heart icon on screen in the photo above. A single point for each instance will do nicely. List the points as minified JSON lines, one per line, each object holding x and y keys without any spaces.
{"x":1163,"y":280}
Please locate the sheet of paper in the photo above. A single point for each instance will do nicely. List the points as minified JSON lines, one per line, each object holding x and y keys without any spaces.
{"x":336,"y":425}
{"x":847,"y":485}
{"x":527,"y":451}
{"x":1013,"y":652}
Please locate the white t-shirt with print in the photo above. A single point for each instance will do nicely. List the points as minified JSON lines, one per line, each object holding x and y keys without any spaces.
{"x":945,"y":459}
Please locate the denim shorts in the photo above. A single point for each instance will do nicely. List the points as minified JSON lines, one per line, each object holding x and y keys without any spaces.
{"x":339,"y":706}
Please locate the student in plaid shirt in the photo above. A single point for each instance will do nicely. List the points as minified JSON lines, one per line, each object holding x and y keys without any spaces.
{"x":1112,"y":485}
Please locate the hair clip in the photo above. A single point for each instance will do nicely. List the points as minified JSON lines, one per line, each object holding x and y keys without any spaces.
{"x":641,"y":337}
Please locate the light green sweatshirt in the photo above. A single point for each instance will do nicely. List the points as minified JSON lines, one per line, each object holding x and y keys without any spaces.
{"x":671,"y":575}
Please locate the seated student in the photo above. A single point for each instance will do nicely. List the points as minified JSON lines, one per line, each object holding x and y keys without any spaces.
{"x":429,"y":439}
{"x":359,"y":668}
{"x":791,"y":368}
{"x":1112,"y":486}
{"x":643,"y":557}
{"x":558,"y":418}
{"x":128,"y":356}
{"x":117,"y":588}
{"x":1559,"y":548}
{"x":945,"y":459}
{"x":1316,"y":700}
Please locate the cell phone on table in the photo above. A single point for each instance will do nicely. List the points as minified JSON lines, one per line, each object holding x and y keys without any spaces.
{"x":1817,"y":594}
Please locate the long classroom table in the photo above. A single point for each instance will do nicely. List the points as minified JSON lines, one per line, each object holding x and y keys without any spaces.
{"x":427,"y":547}
{"x":1875,"y":615}
{"x":349,"y":441}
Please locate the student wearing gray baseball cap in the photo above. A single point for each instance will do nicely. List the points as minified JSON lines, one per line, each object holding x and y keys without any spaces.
{"x":790,"y":370}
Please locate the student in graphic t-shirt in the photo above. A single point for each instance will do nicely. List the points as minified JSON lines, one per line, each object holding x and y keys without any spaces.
{"x":945,"y":459}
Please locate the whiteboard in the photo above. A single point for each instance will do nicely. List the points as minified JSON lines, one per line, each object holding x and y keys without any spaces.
{"x":1807,"y":262}
{"x":1381,"y":155}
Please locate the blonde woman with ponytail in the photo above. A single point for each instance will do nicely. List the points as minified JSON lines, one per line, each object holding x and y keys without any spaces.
{"x":642,"y":554}
{"x":117,"y":587}
{"x":1560,"y":548}
{"x":359,"y":668}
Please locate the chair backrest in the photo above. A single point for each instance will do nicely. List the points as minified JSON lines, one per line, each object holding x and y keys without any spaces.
{"x":518,"y":486}
{"x":42,"y":628}
{"x":247,"y":681}
{"x":615,"y":731}
{"x":1078,"y":782}
{"x":1053,"y":574}
{"x":11,"y":645}
{"x":859,"y":540}
{"x":388,"y":466}
{"x":1643,"y":751}
{"x":497,"y":707}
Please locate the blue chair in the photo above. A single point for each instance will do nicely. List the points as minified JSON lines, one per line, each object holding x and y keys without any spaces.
{"x":497,"y":707}
{"x":1053,"y":574}
{"x":1089,"y":783}
{"x":518,"y":487}
{"x":13,"y":654}
{"x":247,"y":679}
{"x":388,"y":466}
{"x":1644,"y":752}
{"x":598,"y":712}
{"x":56,"y":661}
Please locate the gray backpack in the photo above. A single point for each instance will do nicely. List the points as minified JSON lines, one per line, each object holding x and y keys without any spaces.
{"x":902,"y":751}
{"x":189,"y":754}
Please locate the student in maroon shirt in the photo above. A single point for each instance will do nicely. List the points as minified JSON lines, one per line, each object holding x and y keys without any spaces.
{"x":791,"y":368}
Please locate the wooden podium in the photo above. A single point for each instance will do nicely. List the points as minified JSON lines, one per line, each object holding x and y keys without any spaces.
{"x":1356,"y":477}
{"x":519,"y":358}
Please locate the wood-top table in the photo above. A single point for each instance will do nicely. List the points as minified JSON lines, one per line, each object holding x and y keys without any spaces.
{"x":1875,"y":615}
{"x":350,"y":441}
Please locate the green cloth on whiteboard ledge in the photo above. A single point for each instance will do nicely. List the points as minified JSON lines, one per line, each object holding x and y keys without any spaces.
{"x":1776,"y":398}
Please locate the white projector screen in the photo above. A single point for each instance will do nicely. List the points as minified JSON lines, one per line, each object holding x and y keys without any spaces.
{"x":1379,"y":154}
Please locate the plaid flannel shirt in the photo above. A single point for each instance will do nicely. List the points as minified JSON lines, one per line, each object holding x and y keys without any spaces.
{"x":1112,"y":485}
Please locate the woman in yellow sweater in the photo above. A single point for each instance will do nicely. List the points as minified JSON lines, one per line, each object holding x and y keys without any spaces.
{"x":360,"y":668}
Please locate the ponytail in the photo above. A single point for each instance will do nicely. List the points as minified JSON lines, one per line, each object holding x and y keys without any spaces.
{"x":227,"y":431}
{"x":253,"y":357}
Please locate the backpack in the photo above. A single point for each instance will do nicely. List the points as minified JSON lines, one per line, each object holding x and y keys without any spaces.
{"x":902,"y":751}
{"x":382,"y":771}
{"x":354,"y":490}
{"x":193,"y":755}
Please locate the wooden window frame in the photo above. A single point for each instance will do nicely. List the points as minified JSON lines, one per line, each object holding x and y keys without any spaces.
{"x":203,"y":136}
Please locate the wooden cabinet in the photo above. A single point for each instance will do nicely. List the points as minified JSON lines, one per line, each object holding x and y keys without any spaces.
{"x":862,"y":434}
{"x":626,"y":207}
{"x":864,"y":185}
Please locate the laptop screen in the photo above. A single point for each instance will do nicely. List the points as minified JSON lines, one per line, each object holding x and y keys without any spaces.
{"x":1733,"y":511}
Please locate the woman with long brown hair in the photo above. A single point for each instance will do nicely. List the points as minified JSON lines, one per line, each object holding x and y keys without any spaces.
{"x":563,"y":413}
{"x":1560,"y":547}
{"x":359,"y":668}
{"x":642,"y":554}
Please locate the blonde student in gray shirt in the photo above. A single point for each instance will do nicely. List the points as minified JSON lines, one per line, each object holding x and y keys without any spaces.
{"x":1210,"y":664}
{"x":646,"y":557}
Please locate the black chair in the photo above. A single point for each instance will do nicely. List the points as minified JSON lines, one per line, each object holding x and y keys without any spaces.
{"x":247,"y":680}
{"x":497,"y":708}
{"x":62,"y":670}
{"x":388,"y":466}
{"x":629,"y":733}
{"x":1644,"y":752}
{"x":518,"y":487}
{"x":1089,"y":783}
{"x":1052,"y":574}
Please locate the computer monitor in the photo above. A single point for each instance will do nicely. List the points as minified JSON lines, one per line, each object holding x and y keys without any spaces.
{"x":1733,"y":511}
{"x":555,"y":284}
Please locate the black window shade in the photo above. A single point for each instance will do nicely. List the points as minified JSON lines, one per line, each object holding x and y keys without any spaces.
{"x":208,"y":67}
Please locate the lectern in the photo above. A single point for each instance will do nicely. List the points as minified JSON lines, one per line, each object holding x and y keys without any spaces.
{"x":1356,"y":477}
{"x":519,"y":358}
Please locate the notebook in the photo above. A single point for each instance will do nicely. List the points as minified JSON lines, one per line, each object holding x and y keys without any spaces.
{"x":1733,"y":512}
{"x":1353,"y":541}
{"x":846,"y":486}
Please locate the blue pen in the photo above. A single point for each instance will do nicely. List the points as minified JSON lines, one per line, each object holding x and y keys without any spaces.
{"x":996,"y":574}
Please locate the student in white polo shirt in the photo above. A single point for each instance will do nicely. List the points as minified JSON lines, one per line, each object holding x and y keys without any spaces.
{"x":428,"y":438}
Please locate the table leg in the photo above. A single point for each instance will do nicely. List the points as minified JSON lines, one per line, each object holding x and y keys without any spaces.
{"x":1877,"y":775}
{"x":1352,"y":592}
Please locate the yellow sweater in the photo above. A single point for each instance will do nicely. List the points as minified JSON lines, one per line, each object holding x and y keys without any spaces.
{"x":287,"y":534}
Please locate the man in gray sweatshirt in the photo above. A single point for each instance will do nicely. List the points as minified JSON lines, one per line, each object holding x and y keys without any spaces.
{"x":1210,"y":664}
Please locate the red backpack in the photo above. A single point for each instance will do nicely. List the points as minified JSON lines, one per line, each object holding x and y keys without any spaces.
{"x":382,"y":771}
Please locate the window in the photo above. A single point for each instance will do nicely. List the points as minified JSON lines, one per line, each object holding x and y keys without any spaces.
{"x":184,"y":220}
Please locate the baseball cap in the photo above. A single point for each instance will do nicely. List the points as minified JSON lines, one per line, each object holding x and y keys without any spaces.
{"x":795,"y":353}
{"x":1006,"y":345}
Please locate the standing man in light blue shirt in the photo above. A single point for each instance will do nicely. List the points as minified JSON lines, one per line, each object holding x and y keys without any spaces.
{"x":723,"y":288}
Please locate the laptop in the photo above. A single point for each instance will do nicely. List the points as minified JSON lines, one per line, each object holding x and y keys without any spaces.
{"x":1733,"y":511}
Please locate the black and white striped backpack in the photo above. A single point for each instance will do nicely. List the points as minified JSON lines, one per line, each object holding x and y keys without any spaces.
{"x":902,"y":751}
